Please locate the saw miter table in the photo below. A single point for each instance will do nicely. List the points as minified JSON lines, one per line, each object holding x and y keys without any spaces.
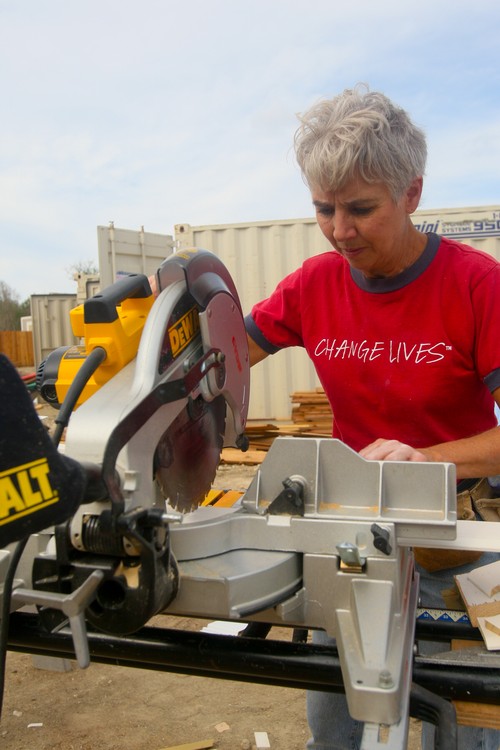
{"x":321,"y":539}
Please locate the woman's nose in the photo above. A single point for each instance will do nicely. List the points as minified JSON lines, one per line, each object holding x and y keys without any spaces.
{"x":343,"y":227}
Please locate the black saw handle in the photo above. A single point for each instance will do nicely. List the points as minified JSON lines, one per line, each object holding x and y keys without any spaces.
{"x":102,"y":307}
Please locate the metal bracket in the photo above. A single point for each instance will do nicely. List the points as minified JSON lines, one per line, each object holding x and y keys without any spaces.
{"x":351,"y":560}
{"x":72,"y":605}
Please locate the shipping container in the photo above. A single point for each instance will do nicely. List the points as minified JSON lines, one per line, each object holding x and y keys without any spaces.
{"x":51,"y":323}
{"x":260,"y":254}
{"x":26,"y":322}
{"x":88,"y":285}
{"x":124,"y":251}
{"x":477,"y":226}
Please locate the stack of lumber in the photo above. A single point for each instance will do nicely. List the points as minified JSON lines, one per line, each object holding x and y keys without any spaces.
{"x":312,"y":408}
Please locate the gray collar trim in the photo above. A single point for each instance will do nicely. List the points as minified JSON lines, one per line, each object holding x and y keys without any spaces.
{"x":393,"y":283}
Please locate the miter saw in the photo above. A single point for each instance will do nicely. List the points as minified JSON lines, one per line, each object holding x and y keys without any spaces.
{"x":155,"y":424}
{"x":321,"y":539}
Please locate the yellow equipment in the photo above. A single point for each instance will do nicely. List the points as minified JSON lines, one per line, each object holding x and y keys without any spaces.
{"x":111,"y":322}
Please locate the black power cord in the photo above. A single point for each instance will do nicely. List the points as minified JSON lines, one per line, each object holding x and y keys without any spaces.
{"x":5,"y":613}
{"x":92,"y":362}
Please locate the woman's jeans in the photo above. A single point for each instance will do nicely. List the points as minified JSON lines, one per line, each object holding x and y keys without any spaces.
{"x":331,"y":726}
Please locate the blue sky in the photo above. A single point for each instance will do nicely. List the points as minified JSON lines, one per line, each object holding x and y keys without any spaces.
{"x":154,"y":112}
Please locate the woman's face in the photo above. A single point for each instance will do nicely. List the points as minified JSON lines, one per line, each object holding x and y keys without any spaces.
{"x":371,"y":230}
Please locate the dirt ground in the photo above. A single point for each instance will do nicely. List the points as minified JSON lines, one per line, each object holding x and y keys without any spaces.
{"x":109,"y":707}
{"x":120,"y":708}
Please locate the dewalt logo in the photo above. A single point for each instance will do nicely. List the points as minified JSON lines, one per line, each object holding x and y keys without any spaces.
{"x":184,"y":331}
{"x":25,"y":489}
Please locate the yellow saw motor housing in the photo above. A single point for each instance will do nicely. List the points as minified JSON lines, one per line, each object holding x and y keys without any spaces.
{"x":112,"y":320}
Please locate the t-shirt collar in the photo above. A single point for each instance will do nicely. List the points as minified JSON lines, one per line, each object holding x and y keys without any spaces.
{"x":392,"y":283}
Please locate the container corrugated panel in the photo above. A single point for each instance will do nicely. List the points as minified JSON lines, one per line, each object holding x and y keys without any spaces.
{"x":51,"y":323}
{"x":123,"y":251}
{"x":259,"y":254}
{"x":89,"y":284}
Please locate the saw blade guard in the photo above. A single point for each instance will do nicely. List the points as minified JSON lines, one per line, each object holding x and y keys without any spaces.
{"x":222,"y":330}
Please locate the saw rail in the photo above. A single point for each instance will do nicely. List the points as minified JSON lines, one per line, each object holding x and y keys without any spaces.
{"x":271,"y":662}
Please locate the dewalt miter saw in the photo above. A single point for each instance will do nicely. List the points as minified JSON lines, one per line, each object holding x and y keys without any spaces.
{"x":169,"y":388}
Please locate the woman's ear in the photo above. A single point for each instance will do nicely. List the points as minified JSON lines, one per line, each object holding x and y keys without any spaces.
{"x":413,"y":194}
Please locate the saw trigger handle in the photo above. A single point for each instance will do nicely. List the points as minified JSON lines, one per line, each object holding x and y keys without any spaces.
{"x":102,"y":307}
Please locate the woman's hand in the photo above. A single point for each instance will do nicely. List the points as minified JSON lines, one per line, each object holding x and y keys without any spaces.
{"x":391,"y":450}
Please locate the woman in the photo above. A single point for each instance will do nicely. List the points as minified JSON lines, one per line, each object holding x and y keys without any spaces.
{"x":402,"y":328}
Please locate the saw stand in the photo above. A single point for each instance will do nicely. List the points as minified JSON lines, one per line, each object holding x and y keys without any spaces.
{"x":322,"y":539}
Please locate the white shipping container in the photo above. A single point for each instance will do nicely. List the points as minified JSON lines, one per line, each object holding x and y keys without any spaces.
{"x":88,"y":285}
{"x":123,"y":251}
{"x":51,"y":323}
{"x":26,"y":323}
{"x":477,"y":226}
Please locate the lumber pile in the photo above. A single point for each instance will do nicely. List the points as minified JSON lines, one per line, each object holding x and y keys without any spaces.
{"x":312,"y":408}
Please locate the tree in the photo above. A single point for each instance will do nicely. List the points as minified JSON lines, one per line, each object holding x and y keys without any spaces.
{"x":24,"y":308}
{"x":11,"y":310}
{"x":82,"y":267}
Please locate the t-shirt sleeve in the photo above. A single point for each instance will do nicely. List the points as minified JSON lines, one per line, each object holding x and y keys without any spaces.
{"x":275,"y":323}
{"x":486,"y":296}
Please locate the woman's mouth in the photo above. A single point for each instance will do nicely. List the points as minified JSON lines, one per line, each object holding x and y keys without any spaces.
{"x":351,"y":252}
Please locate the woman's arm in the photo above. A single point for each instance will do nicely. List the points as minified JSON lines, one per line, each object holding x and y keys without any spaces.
{"x":255,"y":352}
{"x":476,"y":456}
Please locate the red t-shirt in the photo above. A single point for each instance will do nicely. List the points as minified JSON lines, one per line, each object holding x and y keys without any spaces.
{"x":413,"y":357}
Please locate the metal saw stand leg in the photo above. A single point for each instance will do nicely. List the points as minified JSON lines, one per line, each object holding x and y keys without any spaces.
{"x":416,"y":701}
{"x":395,"y":736}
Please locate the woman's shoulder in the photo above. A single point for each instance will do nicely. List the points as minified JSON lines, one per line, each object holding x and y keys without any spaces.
{"x":467,"y":265}
{"x":330,"y":259}
{"x":313,"y":270}
{"x":466,"y":255}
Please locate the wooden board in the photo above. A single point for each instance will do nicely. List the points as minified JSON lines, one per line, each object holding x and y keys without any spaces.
{"x":471,"y":714}
{"x":472,"y":587}
{"x":235,"y":456}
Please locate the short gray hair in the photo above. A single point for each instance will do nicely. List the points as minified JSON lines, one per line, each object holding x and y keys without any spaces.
{"x":363,"y":133}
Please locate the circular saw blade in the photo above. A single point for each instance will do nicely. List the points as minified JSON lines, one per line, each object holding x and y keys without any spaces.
{"x":188,"y":453}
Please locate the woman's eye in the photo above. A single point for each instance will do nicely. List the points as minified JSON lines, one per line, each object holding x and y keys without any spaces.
{"x":362,"y":210}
